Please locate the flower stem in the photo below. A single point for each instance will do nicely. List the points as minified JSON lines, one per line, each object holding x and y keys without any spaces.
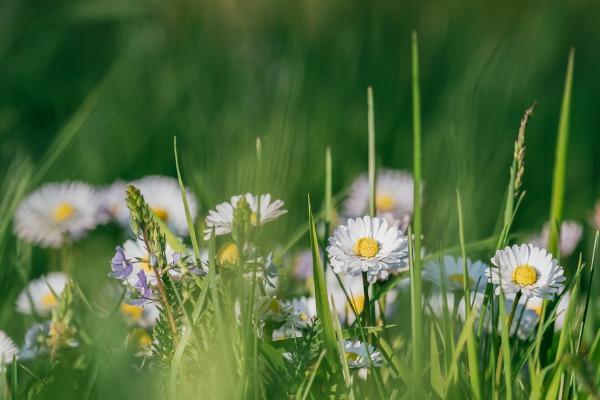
{"x":510,"y":321}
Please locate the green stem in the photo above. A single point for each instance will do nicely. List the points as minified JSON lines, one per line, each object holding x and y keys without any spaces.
{"x":509,"y":326}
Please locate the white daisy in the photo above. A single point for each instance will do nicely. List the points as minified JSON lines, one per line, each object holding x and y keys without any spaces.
{"x":349,"y":301}
{"x":303,"y":311}
{"x":526,"y":269}
{"x":360,"y":355}
{"x":57,"y":213}
{"x":8,"y":350}
{"x":394,"y":199}
{"x":221,"y":219}
{"x":570,"y":235}
{"x":453,"y":273}
{"x":144,"y":316}
{"x":163,"y":195}
{"x":41,"y":294}
{"x":368,"y":245}
{"x":113,"y":203}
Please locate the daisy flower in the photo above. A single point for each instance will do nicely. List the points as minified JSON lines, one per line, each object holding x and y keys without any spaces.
{"x":303,"y":311}
{"x":163,"y":195}
{"x":526,"y":269}
{"x":140,"y":341}
{"x":142,"y":315}
{"x":569,"y":237}
{"x":221,"y":219}
{"x":368,"y":245}
{"x":113,"y":203}
{"x":41,"y":294}
{"x":453,"y":273}
{"x":8,"y":350}
{"x":57,"y":213}
{"x":272,"y":309}
{"x":360,"y":355}
{"x":394,"y":199}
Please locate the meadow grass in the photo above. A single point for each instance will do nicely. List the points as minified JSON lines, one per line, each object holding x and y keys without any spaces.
{"x":217,"y":333}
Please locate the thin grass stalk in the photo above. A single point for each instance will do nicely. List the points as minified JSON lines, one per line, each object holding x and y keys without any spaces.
{"x":560,"y":160}
{"x":369,"y":309}
{"x":417,"y":323}
{"x":471,"y":345}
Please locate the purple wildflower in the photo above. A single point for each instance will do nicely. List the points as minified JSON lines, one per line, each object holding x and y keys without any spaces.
{"x":121,"y":267}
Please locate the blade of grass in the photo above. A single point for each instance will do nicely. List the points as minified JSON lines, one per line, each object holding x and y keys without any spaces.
{"x":560,"y":161}
{"x":186,"y":207}
{"x":416,"y":305}
{"x":471,"y":346}
{"x":323,"y":309}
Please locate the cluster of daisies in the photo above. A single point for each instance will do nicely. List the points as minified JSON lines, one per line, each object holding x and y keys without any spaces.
{"x":361,"y":251}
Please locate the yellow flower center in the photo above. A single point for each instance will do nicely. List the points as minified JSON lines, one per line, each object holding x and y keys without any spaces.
{"x":275,"y":307}
{"x":458,"y":278}
{"x":49,"y":300}
{"x":228,"y":254}
{"x":303,"y":316}
{"x":253,"y":218}
{"x":524,"y":275}
{"x":537,"y":309}
{"x":366,"y":247}
{"x":144,"y":340}
{"x":350,"y":356}
{"x":358,"y":302}
{"x":161,"y":213}
{"x":145,"y":264}
{"x":63,"y":212}
{"x":384,"y":203}
{"x":132,"y":311}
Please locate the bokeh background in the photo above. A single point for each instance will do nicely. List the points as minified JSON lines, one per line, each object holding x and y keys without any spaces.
{"x":105,"y":85}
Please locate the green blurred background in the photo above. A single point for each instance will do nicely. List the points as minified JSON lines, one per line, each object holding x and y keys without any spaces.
{"x":114,"y":81}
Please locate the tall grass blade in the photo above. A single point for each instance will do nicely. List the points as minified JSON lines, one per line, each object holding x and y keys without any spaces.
{"x":323,"y":309}
{"x":560,"y":160}
{"x":416,"y":306}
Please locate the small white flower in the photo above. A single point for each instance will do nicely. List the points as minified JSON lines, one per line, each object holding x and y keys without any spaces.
{"x":570,"y":235}
{"x":144,"y":316}
{"x":360,"y":355}
{"x":163,"y":195}
{"x":453,"y":273}
{"x":113,"y":203}
{"x":394,"y":199}
{"x":368,"y":245}
{"x":41,"y":294}
{"x":221,"y":219}
{"x":526,"y":269}
{"x":303,"y":311}
{"x":57,"y":213}
{"x":8,"y":350}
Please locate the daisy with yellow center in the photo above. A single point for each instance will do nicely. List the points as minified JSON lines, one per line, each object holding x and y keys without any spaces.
{"x":163,"y":195}
{"x":360,"y":355}
{"x":135,"y":252}
{"x":58,"y":213}
{"x":144,"y":316}
{"x":368,"y":245}
{"x":42,"y":295}
{"x":393,"y":197}
{"x":303,"y":311}
{"x":451,"y":270}
{"x":221,"y":218}
{"x":527,"y":269}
